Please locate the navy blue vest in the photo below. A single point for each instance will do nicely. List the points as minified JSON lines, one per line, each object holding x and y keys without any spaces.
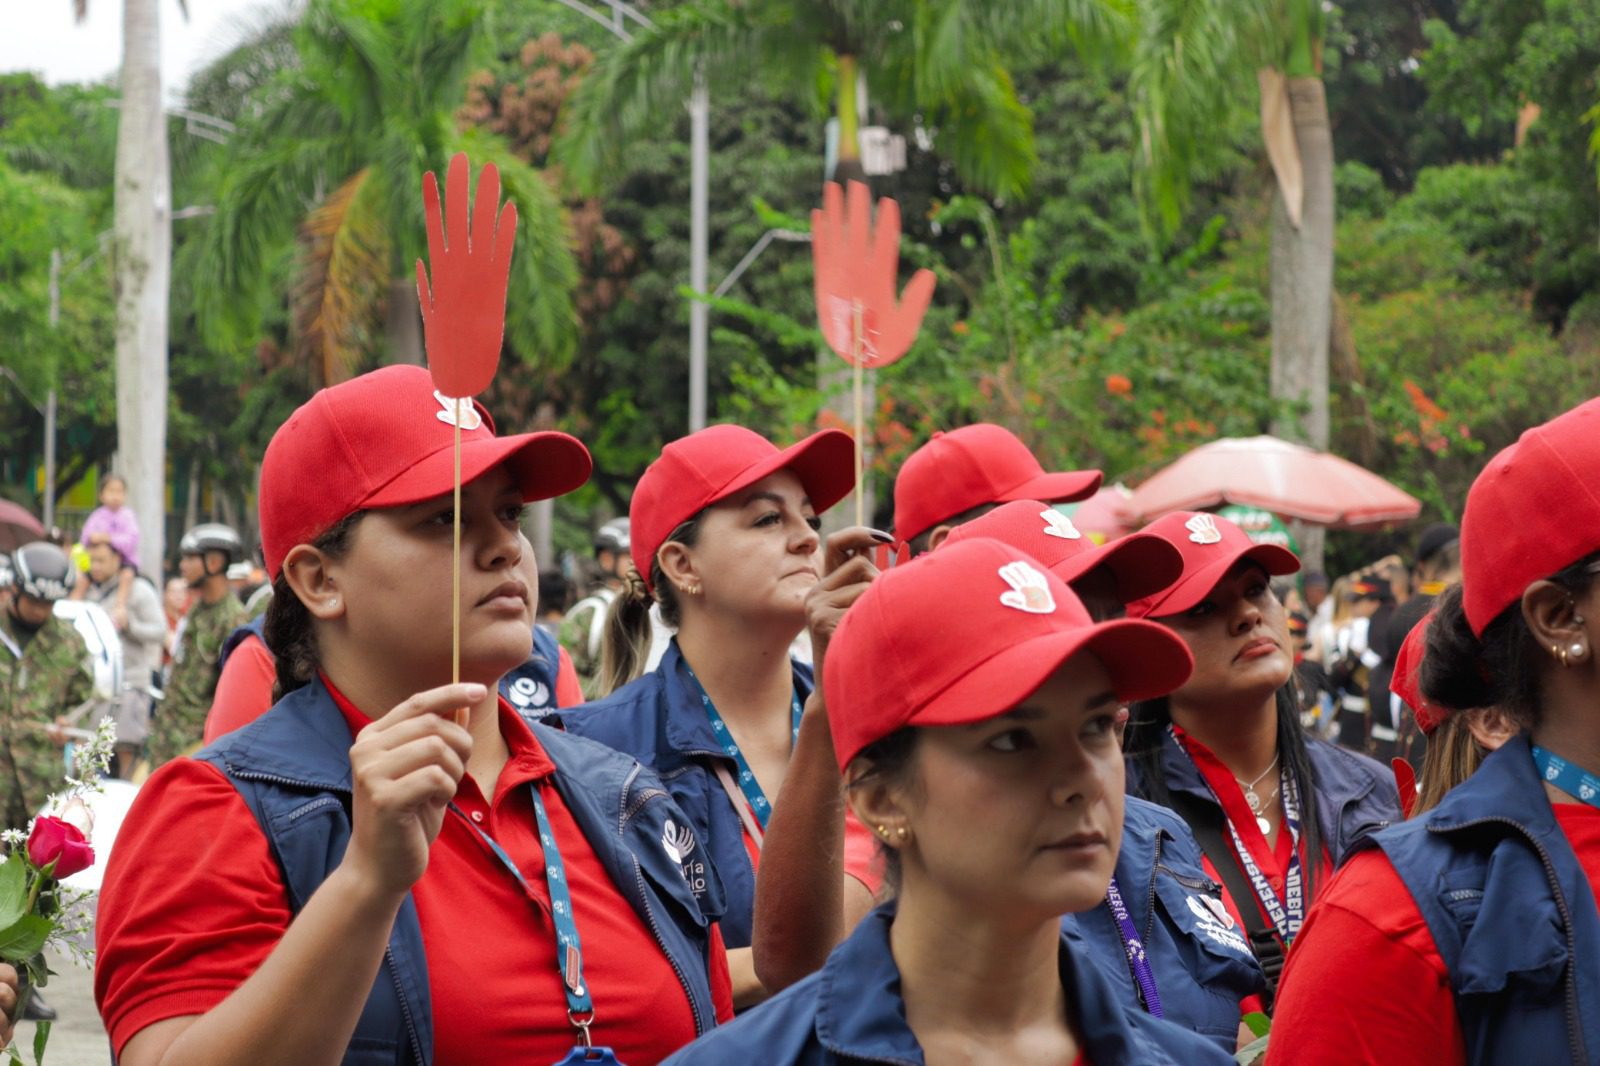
{"x":659,"y":721}
{"x":852,"y":1011}
{"x":1511,"y":913}
{"x":292,"y":767}
{"x":531,"y":687}
{"x":1202,"y":967}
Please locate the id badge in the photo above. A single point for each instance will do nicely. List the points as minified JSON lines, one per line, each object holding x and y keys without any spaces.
{"x":588,"y":1056}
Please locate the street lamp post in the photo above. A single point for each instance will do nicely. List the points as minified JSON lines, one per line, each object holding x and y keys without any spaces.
{"x":616,"y":17}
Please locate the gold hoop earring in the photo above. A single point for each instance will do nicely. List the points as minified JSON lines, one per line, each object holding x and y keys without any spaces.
{"x":1561,"y":654}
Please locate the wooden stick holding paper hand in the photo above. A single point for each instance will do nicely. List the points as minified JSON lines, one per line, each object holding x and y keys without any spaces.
{"x":463,"y":315}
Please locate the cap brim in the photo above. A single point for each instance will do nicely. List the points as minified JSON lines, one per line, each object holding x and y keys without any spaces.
{"x":1068,"y":486}
{"x":1141,"y":564}
{"x":824,"y":462}
{"x":545,"y":465}
{"x":1144,"y":660}
{"x":1198,"y":585}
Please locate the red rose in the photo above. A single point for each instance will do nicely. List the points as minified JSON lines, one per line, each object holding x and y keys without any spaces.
{"x":55,"y":841}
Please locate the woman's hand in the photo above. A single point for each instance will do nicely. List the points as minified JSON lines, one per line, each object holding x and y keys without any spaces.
{"x":405,"y":768}
{"x":8,"y":1002}
{"x":847,"y":570}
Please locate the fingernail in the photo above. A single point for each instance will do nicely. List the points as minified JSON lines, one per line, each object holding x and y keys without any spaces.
{"x":880,"y":536}
{"x":476,"y":692}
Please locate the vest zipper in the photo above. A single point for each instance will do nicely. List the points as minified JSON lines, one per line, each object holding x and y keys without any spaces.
{"x":1574,"y":1026}
{"x":700,"y":1024}
{"x":1150,"y":920}
{"x":405,"y":1009}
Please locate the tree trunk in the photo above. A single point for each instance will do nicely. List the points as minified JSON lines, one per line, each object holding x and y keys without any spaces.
{"x":402,"y":326}
{"x":1302,"y":285}
{"x":143,"y":252}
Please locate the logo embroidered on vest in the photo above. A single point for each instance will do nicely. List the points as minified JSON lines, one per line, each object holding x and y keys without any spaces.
{"x":470,"y":419}
{"x":1057,"y":524}
{"x":528,"y":694}
{"x":1203,"y":529}
{"x":1029,"y":592}
{"x":1214,"y":930}
{"x":678,"y":842}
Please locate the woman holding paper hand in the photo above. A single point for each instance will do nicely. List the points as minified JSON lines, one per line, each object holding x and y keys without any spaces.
{"x":389,"y":867}
{"x":724,"y":538}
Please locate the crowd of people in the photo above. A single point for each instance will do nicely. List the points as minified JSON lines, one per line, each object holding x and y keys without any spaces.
{"x":979,"y":789}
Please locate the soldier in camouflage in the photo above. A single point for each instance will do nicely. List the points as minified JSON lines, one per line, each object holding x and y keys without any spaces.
{"x":206,"y":551}
{"x":44,"y":674}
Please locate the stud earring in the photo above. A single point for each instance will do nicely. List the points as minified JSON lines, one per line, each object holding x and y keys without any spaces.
{"x":1577,"y":650}
{"x":902,"y":832}
{"x":334,"y":602}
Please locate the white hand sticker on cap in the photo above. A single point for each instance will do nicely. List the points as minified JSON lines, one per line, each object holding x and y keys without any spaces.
{"x":1057,"y":524}
{"x":1203,"y":529}
{"x":1029,"y":590}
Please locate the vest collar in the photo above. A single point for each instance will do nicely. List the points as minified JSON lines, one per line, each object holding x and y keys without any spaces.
{"x":861,"y":1013}
{"x":303,"y":741}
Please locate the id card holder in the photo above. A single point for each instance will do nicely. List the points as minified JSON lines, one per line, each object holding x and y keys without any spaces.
{"x":588,"y":1056}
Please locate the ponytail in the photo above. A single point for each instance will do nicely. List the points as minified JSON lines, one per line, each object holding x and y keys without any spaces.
{"x":625,"y":647}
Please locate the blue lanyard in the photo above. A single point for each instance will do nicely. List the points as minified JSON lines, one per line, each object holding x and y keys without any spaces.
{"x":569,"y":953}
{"x":1143,"y":976}
{"x":1572,"y":779}
{"x":747,"y":779}
{"x":1287,"y":914}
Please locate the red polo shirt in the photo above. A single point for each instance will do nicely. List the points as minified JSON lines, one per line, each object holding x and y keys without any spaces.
{"x":1365,"y":983}
{"x":179,"y":928}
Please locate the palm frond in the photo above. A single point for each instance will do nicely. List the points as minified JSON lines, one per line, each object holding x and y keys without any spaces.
{"x":343,"y":276}
{"x":986,"y":132}
{"x":952,"y":35}
{"x":1192,"y":66}
{"x":637,"y":86}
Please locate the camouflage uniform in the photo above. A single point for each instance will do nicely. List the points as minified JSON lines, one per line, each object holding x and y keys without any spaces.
{"x":180,"y":718}
{"x":51,"y":678}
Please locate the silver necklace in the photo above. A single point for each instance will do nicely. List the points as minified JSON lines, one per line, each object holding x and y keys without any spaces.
{"x":1253,"y":798}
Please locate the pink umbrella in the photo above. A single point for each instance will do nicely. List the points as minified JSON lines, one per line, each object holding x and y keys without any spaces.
{"x":17,"y":526}
{"x":1274,"y":475}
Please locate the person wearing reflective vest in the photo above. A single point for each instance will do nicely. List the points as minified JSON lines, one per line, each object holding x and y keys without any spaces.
{"x":983,"y":753}
{"x":389,"y":866}
{"x":1471,"y":933}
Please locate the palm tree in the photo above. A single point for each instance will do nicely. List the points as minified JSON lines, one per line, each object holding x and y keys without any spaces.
{"x":143,"y":262}
{"x":942,"y":62}
{"x":1194,"y":62}
{"x":328,"y":164}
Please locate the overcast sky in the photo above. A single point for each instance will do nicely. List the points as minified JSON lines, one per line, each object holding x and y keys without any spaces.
{"x":41,"y":36}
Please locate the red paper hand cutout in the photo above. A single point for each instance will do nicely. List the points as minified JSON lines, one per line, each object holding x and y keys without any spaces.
{"x":464,"y":311}
{"x":856,"y":270}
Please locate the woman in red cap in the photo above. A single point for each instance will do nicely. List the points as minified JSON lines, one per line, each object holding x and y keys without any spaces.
{"x":983,"y":753}
{"x":724,"y":539}
{"x":1272,"y":808}
{"x":386,"y":866}
{"x":1471,"y":934}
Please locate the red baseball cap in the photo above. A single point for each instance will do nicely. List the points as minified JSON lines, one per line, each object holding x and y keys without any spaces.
{"x":1210,"y":545}
{"x":1141,"y":565}
{"x":1534,"y":511}
{"x":973,"y":465}
{"x":696,"y":471}
{"x":1407,"y":679}
{"x":386,"y":439}
{"x":968,"y":632}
